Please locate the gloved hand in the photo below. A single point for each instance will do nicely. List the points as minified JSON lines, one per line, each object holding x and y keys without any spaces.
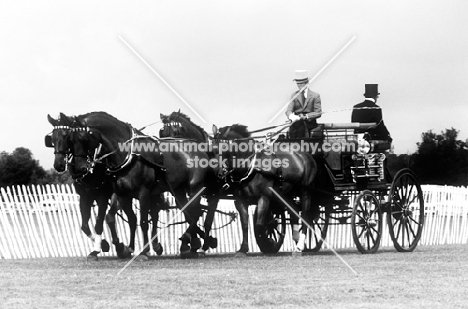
{"x":294,"y":118}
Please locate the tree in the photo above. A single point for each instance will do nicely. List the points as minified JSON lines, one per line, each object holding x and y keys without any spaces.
{"x":441,"y":159}
{"x":19,"y":168}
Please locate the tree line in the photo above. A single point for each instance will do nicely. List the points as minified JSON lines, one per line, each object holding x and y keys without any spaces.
{"x":440,"y":159}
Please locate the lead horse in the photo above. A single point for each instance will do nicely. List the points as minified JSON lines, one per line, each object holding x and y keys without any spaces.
{"x":90,"y":187}
{"x":143,"y":167}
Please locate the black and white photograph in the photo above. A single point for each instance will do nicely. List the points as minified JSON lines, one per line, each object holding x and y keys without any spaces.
{"x":234,"y":154}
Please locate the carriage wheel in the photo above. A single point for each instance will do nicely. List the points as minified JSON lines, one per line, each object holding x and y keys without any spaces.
{"x":366,"y":222}
{"x":270,"y":237}
{"x":406,"y":214}
{"x":320,"y":228}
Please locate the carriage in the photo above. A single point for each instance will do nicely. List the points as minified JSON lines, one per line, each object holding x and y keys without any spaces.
{"x":354,"y":187}
{"x":346,"y":164}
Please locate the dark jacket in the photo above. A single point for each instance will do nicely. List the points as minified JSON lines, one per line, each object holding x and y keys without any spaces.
{"x":366,"y":112}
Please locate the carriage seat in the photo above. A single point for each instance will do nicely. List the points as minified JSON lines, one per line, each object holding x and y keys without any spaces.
{"x":380,"y":145}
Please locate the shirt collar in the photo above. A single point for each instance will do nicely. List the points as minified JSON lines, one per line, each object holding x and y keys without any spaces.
{"x":370,"y":99}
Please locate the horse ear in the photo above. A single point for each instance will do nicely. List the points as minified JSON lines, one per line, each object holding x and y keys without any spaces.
{"x":52,"y":121}
{"x":67,"y":121}
{"x":77,"y":122}
{"x":215,"y":130}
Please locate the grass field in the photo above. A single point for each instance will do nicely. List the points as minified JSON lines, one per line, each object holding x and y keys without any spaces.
{"x":432,"y":276}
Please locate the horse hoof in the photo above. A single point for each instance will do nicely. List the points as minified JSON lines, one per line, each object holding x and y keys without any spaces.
{"x":240,"y":254}
{"x":105,"y":247}
{"x":297,"y":253}
{"x":189,"y":255}
{"x":212,"y":242}
{"x":123,"y":252}
{"x":92,"y":257}
{"x":184,"y":249}
{"x":159,"y":249}
{"x":201,"y":253}
{"x":195,"y":243}
{"x":142,"y":258}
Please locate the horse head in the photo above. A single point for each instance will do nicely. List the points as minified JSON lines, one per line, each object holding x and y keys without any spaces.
{"x":98,"y":134}
{"x":84,"y":144}
{"x":177,"y":124}
{"x":59,"y":140}
{"x":236,"y":131}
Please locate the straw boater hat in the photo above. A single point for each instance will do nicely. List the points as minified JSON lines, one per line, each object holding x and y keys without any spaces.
{"x":301,"y":76}
{"x":371,"y":90}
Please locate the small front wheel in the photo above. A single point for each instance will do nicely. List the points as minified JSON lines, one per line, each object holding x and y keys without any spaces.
{"x":366,"y":222}
{"x":270,"y":236}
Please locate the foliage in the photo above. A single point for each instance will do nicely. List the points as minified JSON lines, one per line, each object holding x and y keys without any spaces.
{"x":397,"y":162}
{"x":441,"y":159}
{"x":19,"y":168}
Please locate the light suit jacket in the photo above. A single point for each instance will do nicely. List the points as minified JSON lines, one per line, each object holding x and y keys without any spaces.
{"x":312,"y":104}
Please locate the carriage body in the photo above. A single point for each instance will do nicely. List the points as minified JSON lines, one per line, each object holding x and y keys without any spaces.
{"x":353,"y":186}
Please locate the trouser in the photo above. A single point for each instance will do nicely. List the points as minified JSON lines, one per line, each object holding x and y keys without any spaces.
{"x":301,"y":128}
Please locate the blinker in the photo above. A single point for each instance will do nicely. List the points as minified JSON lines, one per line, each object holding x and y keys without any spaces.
{"x":48,"y":141}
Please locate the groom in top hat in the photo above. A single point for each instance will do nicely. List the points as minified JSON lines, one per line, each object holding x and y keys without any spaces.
{"x":304,"y":109}
{"x":369,"y":111}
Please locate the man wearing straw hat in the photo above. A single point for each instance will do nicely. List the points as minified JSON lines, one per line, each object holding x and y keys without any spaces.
{"x":304,"y":108}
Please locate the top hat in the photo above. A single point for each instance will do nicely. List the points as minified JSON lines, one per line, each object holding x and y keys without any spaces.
{"x":301,"y":76}
{"x":371,"y":90}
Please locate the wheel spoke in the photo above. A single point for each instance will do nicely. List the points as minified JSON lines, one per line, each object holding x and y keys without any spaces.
{"x":372,"y":236}
{"x":412,"y":219}
{"x":410,"y":229}
{"x":399,"y":229}
{"x":368,"y":241}
{"x":362,"y":232}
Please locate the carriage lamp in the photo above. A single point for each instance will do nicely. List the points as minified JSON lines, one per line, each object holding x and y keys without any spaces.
{"x":363,"y":146}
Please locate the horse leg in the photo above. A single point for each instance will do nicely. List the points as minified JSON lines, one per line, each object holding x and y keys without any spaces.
{"x":85,"y":211}
{"x":306,"y":202}
{"x":122,"y":250}
{"x":242,"y":207}
{"x":190,"y":242}
{"x":209,"y":241}
{"x":154,"y":211}
{"x":100,"y":244}
{"x":145,"y":203}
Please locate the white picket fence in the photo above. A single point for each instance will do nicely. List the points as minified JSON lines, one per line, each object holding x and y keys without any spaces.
{"x":44,"y":221}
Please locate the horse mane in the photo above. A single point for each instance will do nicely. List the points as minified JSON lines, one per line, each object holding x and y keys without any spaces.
{"x":103,"y":114}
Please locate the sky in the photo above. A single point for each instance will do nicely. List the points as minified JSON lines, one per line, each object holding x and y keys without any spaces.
{"x":231,"y":61}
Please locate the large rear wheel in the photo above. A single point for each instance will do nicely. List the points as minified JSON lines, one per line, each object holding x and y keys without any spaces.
{"x":270,"y":236}
{"x":406,"y":212}
{"x":366,"y":222}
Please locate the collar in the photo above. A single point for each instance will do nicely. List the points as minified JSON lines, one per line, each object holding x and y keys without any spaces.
{"x":370,"y":99}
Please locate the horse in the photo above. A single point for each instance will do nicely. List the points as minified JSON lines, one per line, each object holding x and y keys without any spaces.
{"x":96,"y":186}
{"x":143,"y":168}
{"x":257,"y":172}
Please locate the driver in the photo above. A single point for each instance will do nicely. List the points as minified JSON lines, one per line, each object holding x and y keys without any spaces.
{"x":304,"y":110}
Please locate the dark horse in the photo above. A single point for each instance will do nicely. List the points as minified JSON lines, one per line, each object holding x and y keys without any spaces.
{"x":256,"y":172}
{"x":143,"y":167}
{"x":179,"y":126}
{"x":90,"y":187}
